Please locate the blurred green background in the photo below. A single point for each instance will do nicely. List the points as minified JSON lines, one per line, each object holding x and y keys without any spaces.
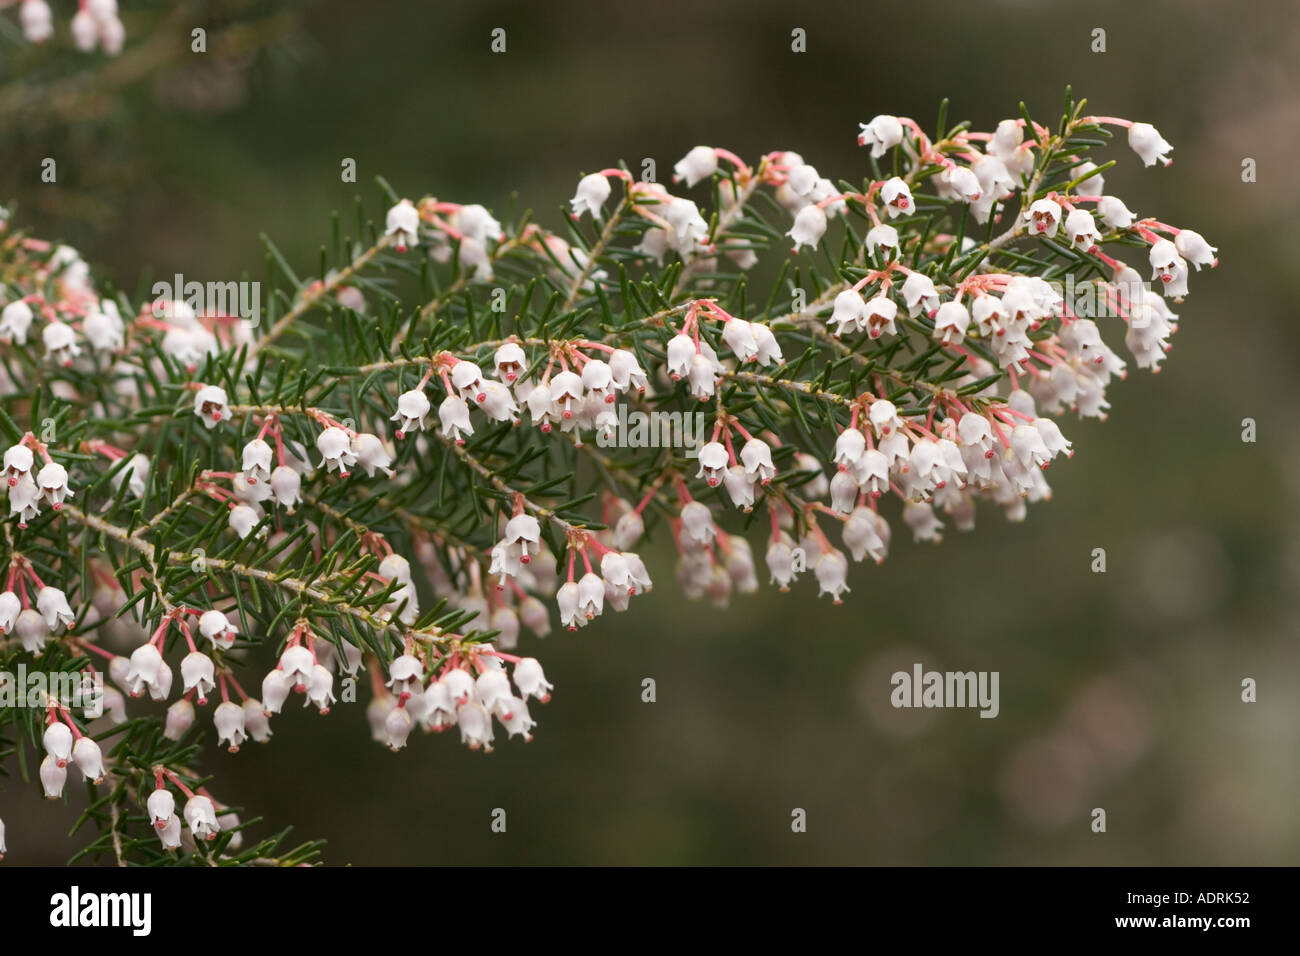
{"x":1118,"y":690}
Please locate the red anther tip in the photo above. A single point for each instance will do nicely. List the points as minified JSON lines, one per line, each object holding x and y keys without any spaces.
{"x":400,"y":434}
{"x":481,"y":397}
{"x":989,"y":453}
{"x":57,"y":506}
{"x":566,"y":414}
{"x":609,"y":399}
{"x":546,"y":429}
{"x":12,"y":482}
{"x":216,"y":415}
{"x":401,"y":247}
{"x":713,"y":482}
{"x":525,"y":559}
{"x":252,"y":480}
{"x":511,"y":376}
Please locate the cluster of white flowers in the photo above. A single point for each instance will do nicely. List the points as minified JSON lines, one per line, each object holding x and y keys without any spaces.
{"x":65,"y":743}
{"x":471,"y":226}
{"x":95,"y":24}
{"x":576,"y":401}
{"x":996,"y":446}
{"x":204,"y":817}
{"x":26,"y":487}
{"x":33,"y":625}
{"x":455,"y":697}
{"x":999,"y":354}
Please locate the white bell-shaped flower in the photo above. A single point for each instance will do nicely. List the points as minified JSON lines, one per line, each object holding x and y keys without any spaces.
{"x":831,"y":571}
{"x":897,"y":198}
{"x":882,"y":133}
{"x":229,"y":721}
{"x":626,"y":370}
{"x":591,"y":194}
{"x":372,"y":454}
{"x":211,"y":405}
{"x":756,"y":456}
{"x":402,"y":225}
{"x":454,"y":416}
{"x":1044,"y":217}
{"x":412,"y":408}
{"x":180,"y":718}
{"x":1145,"y":140}
{"x":698,"y":164}
{"x":1114,"y":213}
{"x":57,"y":741}
{"x":919,"y":294}
{"x":201,"y":816}
{"x":591,"y":595}
{"x":849,"y":312}
{"x":335,"y":447}
{"x":882,"y":239}
{"x":275,"y":690}
{"x":198,"y":674}
{"x":878,"y":316}
{"x":53,"y":777}
{"x":739,"y":337}
{"x":713,"y":463}
{"x":216,"y":627}
{"x":15,"y":322}
{"x":1082,"y":229}
{"x":809,"y":227}
{"x":160,"y":805}
{"x":510,"y":360}
{"x":1192,"y":246}
{"x":951,"y":322}
{"x":53,"y":606}
{"x":286,"y":486}
{"x":697,"y":522}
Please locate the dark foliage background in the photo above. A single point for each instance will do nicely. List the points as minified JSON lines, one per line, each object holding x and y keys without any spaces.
{"x":1119,"y":690}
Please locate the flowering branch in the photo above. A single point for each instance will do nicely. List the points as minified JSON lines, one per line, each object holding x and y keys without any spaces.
{"x":272,"y":506}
